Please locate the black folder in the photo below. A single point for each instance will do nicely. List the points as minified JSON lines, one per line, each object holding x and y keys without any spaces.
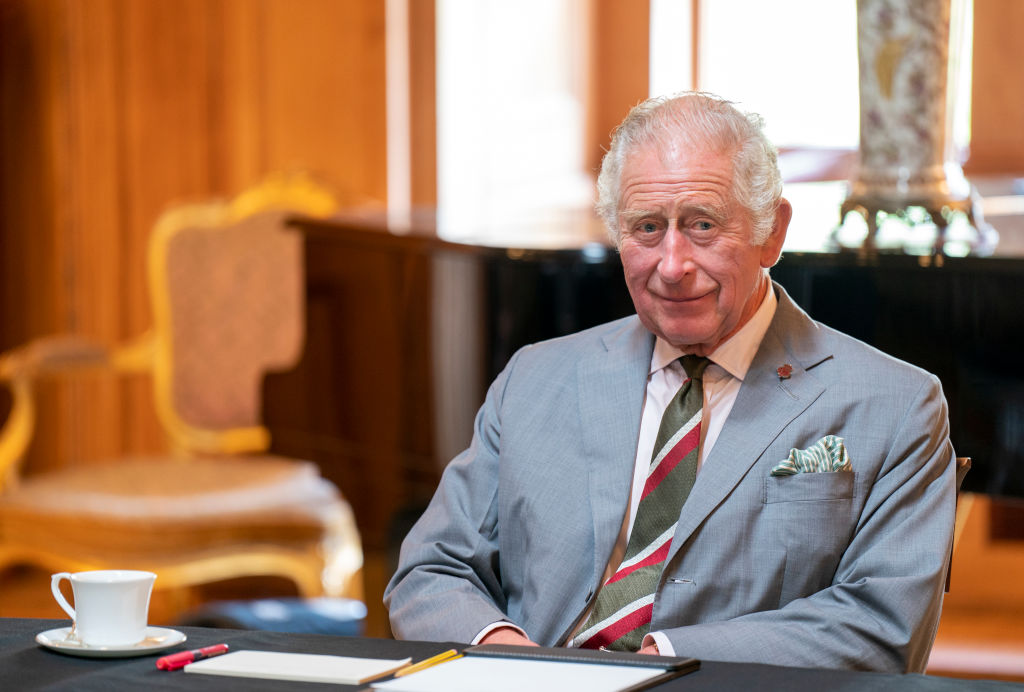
{"x":674,"y":666}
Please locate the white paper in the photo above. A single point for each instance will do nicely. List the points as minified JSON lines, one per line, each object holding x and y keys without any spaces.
{"x":277,"y":665}
{"x":476,"y":673}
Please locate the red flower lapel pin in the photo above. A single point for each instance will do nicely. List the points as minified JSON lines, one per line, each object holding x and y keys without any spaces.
{"x":784,"y":371}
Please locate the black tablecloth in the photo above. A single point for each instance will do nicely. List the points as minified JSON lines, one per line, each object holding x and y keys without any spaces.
{"x":25,"y":665}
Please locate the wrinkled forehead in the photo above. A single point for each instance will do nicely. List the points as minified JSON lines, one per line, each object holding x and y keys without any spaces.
{"x":675,"y":155}
{"x":673,"y":143}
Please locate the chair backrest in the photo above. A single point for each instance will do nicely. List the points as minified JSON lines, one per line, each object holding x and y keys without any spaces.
{"x":963,"y":465}
{"x":227,"y":286}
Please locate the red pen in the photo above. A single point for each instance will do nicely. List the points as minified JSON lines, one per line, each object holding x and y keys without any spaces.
{"x":183,"y":658}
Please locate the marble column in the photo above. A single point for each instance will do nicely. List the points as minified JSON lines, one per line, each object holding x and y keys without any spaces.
{"x":907,"y":165}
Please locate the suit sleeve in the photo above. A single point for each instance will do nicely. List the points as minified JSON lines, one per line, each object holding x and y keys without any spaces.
{"x":447,"y":585}
{"x":882,"y":607}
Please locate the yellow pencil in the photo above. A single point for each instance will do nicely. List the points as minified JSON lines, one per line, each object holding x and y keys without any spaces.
{"x":449,"y":655}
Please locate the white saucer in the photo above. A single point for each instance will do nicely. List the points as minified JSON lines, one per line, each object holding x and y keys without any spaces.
{"x":157,"y":639}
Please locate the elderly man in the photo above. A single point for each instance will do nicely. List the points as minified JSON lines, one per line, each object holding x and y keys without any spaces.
{"x":719,"y":476}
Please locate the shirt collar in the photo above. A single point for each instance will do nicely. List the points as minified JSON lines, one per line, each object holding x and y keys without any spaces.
{"x":735,"y":354}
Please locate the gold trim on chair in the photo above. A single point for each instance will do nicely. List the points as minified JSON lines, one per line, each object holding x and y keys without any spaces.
{"x":296,"y":193}
{"x":16,"y":434}
{"x":239,"y":512}
{"x":50,"y":357}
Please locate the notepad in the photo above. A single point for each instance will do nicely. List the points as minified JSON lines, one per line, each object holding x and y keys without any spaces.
{"x":277,"y":665}
{"x":515,"y":675}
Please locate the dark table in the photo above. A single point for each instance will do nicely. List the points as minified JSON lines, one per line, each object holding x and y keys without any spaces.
{"x":24,"y":665}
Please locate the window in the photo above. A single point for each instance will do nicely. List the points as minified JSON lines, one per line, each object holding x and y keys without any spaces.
{"x":792,"y":61}
{"x":510,"y":101}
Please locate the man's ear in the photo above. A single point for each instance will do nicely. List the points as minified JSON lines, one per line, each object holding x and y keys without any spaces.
{"x":772,"y":247}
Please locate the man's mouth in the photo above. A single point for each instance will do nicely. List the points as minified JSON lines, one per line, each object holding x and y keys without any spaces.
{"x":682,"y":299}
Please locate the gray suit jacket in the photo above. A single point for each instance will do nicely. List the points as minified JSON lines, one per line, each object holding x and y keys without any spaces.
{"x":839,"y":569}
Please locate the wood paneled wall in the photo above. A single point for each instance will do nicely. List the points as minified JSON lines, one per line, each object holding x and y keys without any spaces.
{"x":112,"y":109}
{"x":997,"y":89}
{"x":619,"y":69}
{"x":423,"y":103}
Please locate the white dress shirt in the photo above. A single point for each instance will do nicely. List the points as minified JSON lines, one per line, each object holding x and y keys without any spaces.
{"x":722,"y":380}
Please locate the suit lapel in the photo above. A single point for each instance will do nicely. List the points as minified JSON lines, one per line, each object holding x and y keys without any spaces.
{"x":611,"y":385}
{"x":764,"y":406}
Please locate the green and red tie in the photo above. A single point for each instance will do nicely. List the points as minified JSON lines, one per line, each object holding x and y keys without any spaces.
{"x":622,"y":613}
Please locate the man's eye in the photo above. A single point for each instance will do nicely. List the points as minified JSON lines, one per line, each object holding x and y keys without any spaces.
{"x":704,"y":225}
{"x":648,"y":227}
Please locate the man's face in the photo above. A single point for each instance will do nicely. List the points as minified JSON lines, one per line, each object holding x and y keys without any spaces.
{"x":686,"y":247}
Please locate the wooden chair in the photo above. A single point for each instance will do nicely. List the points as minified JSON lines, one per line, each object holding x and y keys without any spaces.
{"x":227,"y":290}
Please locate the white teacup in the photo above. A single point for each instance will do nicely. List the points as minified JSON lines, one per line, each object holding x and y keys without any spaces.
{"x":111,"y":605}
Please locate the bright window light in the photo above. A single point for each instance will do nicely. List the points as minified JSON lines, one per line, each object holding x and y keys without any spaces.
{"x":792,"y":61}
{"x":510,"y":101}
{"x":671,"y":54}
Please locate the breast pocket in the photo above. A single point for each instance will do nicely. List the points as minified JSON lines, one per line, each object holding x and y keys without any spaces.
{"x":813,"y":520}
{"x":809,"y":487}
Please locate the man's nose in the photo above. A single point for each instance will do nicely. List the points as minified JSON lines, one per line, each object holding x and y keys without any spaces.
{"x":676,"y":256}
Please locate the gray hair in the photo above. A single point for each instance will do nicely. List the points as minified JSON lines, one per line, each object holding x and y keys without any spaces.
{"x":697,"y":120}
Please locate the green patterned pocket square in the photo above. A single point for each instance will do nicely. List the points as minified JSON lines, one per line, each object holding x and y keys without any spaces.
{"x":827,"y":454}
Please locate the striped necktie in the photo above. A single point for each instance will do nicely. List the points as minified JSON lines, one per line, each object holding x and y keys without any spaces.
{"x":622,"y":613}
